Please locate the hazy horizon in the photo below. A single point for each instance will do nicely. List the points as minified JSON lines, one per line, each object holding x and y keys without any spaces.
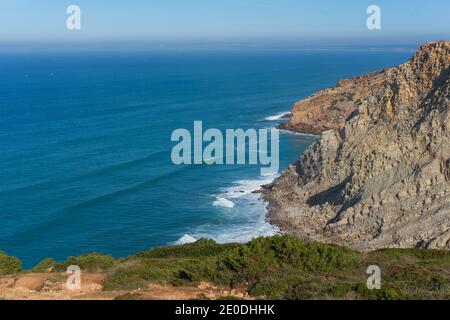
{"x":204,"y":24}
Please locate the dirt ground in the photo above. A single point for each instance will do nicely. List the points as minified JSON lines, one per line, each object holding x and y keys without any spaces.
{"x":52,"y":286}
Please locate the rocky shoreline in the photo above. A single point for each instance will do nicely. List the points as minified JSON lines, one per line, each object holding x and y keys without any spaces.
{"x":380,"y":174}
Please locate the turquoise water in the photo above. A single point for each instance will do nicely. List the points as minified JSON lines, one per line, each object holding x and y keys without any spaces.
{"x":85,"y":144}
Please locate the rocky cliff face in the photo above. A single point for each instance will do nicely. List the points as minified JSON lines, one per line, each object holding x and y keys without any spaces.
{"x":380,"y":178}
{"x":328,"y":109}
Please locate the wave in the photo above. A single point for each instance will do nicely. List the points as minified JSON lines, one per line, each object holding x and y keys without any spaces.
{"x":278,"y":116}
{"x":186,"y":239}
{"x":312,"y":135}
{"x":244,"y":217}
{"x":244,"y":187}
{"x":222,"y":202}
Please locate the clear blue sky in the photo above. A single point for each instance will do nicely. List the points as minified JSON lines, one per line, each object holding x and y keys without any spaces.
{"x":300,"y":21}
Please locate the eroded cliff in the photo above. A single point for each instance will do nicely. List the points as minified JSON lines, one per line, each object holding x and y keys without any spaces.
{"x":381,"y":176}
{"x":328,"y":108}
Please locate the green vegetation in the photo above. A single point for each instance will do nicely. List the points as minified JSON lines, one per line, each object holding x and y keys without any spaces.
{"x":89,"y":262}
{"x":279,"y":267}
{"x":9,"y":265}
{"x":283,"y":267}
{"x":201,"y":248}
{"x":47,"y":264}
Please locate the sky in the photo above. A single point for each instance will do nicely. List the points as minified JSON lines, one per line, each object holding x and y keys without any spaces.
{"x":224,"y":21}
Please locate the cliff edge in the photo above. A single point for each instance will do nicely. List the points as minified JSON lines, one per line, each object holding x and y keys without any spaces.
{"x":380,"y":175}
{"x":329,"y":108}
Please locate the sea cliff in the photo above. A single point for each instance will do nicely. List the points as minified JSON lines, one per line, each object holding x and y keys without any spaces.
{"x":380,"y":174}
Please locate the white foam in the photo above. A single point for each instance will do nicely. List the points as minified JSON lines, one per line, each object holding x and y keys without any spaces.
{"x":186,"y":239}
{"x":245,"y":187}
{"x":248,"y":222}
{"x":242,"y":234}
{"x":245,"y":219}
{"x":278,"y":116}
{"x":283,"y":131}
{"x":222,"y":202}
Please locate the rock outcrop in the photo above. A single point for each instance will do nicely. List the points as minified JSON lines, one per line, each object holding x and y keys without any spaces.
{"x":380,"y":177}
{"x":328,"y":108}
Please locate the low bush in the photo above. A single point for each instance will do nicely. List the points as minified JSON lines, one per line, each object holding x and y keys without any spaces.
{"x":200,"y":248}
{"x":277,"y":267}
{"x":88,"y":262}
{"x":47,"y":264}
{"x":9,"y":265}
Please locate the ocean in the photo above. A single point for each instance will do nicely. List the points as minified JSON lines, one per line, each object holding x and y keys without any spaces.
{"x":85,"y":152}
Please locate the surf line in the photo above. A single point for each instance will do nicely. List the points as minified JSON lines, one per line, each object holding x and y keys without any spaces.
{"x":235,"y":146}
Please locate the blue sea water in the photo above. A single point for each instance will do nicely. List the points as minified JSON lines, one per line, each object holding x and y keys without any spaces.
{"x":85,"y":143}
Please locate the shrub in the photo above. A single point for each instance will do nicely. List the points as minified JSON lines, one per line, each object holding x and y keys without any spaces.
{"x":141,"y":271}
{"x":200,"y":248}
{"x":419,"y":279}
{"x":88,"y":262}
{"x":47,"y":264}
{"x":285,"y":267}
{"x":263,"y":255}
{"x":125,"y":279}
{"x":271,"y":288}
{"x":340,"y":290}
{"x":310,"y":289}
{"x":9,"y":265}
{"x":264,"y":263}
